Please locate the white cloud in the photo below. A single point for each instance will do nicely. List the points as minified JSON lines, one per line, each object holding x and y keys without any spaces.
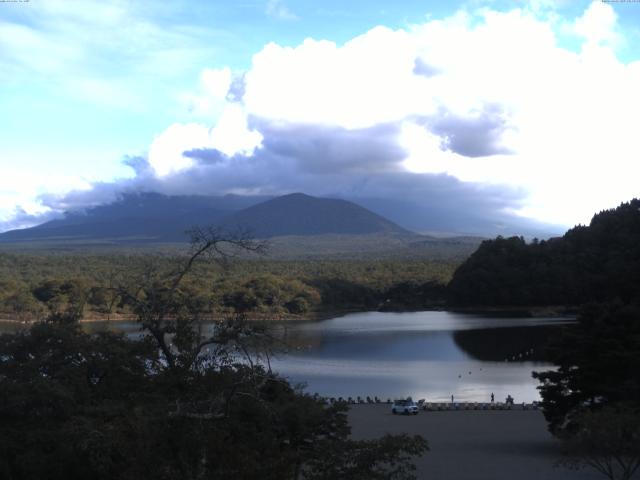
{"x":425,"y":152}
{"x":210,"y":101}
{"x":496,"y":101}
{"x":502,"y":103}
{"x":277,"y":9}
{"x":80,"y":48}
{"x":367,"y":81}
{"x":19,"y":191}
{"x":166,"y":150}
{"x":597,"y":24}
{"x":566,"y":117}
{"x":232,"y":136}
{"x":216,"y":82}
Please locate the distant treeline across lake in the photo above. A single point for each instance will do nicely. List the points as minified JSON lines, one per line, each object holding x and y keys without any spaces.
{"x":32,"y":286}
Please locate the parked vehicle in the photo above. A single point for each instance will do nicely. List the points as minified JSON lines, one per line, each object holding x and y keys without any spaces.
{"x":406,"y":407}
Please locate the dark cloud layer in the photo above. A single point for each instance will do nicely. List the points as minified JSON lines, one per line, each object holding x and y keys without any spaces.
{"x":205,"y":155}
{"x":363,"y":165}
{"x":322,"y":150}
{"x":479,"y":135}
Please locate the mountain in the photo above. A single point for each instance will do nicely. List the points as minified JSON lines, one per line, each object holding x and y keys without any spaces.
{"x":300,"y":214}
{"x":156,"y":218}
{"x":135,"y":218}
{"x":452,"y":219}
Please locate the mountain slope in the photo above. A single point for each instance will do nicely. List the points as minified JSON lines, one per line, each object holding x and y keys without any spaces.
{"x":155,"y":218}
{"x":136,"y":218}
{"x":300,"y":214}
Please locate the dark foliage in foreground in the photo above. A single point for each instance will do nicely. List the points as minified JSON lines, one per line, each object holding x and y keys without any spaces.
{"x":592,"y":400}
{"x":178,"y":403}
{"x":596,"y":387}
{"x":598,"y":364}
{"x":74,"y":405}
{"x":608,"y":441}
{"x":599,"y":262}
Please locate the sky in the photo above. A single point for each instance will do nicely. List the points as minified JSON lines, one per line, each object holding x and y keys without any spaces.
{"x":525,"y":110}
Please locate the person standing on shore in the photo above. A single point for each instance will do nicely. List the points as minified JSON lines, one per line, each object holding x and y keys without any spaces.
{"x":451,"y":398}
{"x":492,"y":397}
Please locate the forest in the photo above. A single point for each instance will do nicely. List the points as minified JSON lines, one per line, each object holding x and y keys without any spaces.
{"x":597,"y":262}
{"x":35,"y":285}
{"x":174,"y":403}
{"x":160,"y":392}
{"x":591,"y":400}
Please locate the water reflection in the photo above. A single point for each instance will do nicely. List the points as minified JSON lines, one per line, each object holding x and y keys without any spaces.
{"x":429,"y":355}
{"x":507,"y":344}
{"x":423,"y":354}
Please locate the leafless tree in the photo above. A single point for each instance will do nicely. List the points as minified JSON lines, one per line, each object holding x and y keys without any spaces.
{"x":163,"y":311}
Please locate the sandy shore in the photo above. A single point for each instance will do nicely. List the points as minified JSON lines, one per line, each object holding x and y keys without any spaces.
{"x":473,"y":445}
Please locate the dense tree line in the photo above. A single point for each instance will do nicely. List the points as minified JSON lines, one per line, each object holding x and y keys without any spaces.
{"x":33,"y":286}
{"x":598,"y":364}
{"x":592,"y":399}
{"x":598,"y":262}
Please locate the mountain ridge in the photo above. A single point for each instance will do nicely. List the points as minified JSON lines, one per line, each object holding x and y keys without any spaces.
{"x":152,"y":217}
{"x":301,"y":214}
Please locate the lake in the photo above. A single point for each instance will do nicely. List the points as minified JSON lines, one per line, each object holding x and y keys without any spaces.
{"x":430,"y":355}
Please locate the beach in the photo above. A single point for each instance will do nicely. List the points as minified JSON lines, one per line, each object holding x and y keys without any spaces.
{"x":473,"y":444}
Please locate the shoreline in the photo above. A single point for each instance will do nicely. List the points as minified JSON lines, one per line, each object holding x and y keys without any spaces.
{"x":125,"y":317}
{"x":552,"y":311}
{"x":528,"y":311}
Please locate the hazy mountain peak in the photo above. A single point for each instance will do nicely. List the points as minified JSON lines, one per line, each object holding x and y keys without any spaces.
{"x":159,"y":218}
{"x":301,"y":214}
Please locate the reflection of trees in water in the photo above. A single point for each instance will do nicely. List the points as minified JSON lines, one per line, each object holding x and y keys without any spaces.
{"x":287,"y":339}
{"x":510,"y":343}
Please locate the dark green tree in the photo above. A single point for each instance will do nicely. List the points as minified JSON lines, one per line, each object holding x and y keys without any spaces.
{"x":592,"y":400}
{"x":599,"y":262}
{"x":183,"y":401}
{"x":607,"y":440}
{"x":598,"y":363}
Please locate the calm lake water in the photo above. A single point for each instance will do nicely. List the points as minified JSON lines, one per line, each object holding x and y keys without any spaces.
{"x":430,"y":355}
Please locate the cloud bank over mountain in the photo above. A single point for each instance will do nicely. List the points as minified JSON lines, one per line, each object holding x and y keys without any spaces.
{"x":485,"y":116}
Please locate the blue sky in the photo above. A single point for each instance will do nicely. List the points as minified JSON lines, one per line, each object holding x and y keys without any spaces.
{"x":87,"y":84}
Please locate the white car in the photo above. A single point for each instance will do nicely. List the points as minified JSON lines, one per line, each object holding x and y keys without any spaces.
{"x":407,"y":407}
